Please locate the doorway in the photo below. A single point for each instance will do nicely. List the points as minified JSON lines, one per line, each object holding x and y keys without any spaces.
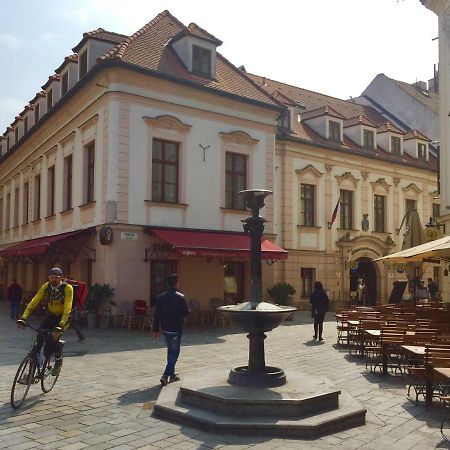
{"x":159,"y":271}
{"x":365,"y":268}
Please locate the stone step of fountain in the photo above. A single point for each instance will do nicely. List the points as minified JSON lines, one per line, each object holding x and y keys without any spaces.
{"x":237,"y":400}
{"x":180,"y":402}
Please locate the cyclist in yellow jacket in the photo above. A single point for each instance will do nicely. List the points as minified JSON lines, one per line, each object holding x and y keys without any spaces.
{"x":59,"y":296}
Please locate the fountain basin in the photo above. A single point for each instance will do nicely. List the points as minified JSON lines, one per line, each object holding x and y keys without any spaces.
{"x":253,"y":317}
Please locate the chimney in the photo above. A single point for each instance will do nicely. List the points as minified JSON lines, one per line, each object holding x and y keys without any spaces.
{"x":421,"y":85}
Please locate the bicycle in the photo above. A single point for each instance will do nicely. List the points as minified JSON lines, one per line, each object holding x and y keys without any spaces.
{"x":31,"y":371}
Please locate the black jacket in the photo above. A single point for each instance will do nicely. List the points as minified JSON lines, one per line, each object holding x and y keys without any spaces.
{"x":170,"y":310}
{"x":319,"y":301}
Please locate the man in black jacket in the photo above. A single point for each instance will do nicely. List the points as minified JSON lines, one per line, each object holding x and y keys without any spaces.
{"x":170,"y":310}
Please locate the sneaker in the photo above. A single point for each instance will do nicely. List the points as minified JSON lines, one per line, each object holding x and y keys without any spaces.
{"x":174,"y":378}
{"x":56,"y":369}
{"x":320,"y":339}
{"x":164,"y":380}
{"x":81,"y":339}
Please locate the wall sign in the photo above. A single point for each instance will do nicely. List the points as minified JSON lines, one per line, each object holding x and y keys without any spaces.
{"x":129,"y":236}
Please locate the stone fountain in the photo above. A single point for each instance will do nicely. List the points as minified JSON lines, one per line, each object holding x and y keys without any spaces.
{"x":256,"y":399}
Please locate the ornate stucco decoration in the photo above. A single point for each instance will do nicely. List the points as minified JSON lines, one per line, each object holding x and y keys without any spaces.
{"x":396,"y":180}
{"x":309,"y":169}
{"x":412,"y":187}
{"x":382,"y":183}
{"x":238,"y":137}
{"x":67,"y":138}
{"x":364,"y":175}
{"x":329,"y":167}
{"x":168,"y":122}
{"x":88,"y":123}
{"x":347,"y":176}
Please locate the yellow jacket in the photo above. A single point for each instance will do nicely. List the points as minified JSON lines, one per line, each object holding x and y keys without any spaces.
{"x":60,"y":304}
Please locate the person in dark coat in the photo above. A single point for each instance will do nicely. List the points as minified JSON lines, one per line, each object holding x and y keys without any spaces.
{"x":14,"y":296}
{"x":170,"y":310}
{"x":432,"y":289}
{"x":320,"y":304}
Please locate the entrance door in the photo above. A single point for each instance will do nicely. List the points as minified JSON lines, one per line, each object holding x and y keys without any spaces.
{"x":365,"y":269}
{"x":236,"y":271}
{"x":159,"y":271}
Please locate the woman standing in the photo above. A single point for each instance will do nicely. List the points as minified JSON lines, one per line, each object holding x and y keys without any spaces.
{"x":320,"y":304}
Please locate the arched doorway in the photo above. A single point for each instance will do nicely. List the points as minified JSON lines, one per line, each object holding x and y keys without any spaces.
{"x":365,"y":268}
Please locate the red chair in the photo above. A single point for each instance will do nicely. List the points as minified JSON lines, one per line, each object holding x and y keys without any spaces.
{"x":141,"y":311}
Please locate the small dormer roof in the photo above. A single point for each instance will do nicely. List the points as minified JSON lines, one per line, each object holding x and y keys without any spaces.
{"x":359,"y":120}
{"x":51,"y":78}
{"x":67,"y":60}
{"x":38,"y":96}
{"x":415,"y":134}
{"x":323,"y":111}
{"x":389,"y":127}
{"x":194,"y":30}
{"x":100,"y":34}
{"x":16,"y":120}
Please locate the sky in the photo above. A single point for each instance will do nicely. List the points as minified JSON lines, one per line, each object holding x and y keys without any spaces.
{"x":335,"y":47}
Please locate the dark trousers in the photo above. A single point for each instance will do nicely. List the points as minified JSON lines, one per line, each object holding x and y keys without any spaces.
{"x":15,"y":303}
{"x":173,"y":343}
{"x":318,"y":324}
{"x":75,"y":325}
{"x":51,"y":346}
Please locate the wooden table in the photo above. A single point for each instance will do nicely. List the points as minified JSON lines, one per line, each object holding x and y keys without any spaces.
{"x":416,"y":350}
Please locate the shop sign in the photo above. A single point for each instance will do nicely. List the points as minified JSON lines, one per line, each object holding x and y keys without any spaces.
{"x":129,"y":236}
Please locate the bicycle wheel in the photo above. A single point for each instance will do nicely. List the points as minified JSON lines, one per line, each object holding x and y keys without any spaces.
{"x":47,"y":379}
{"x":22,"y":382}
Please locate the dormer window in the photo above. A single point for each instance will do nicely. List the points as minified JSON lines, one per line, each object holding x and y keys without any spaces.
{"x":396,"y":145}
{"x":49,"y":99}
{"x":16,"y":134}
{"x":201,"y":61}
{"x":83,"y":64}
{"x":64,"y":83}
{"x":421,"y":151}
{"x":25,"y":124}
{"x":334,"y":130}
{"x":36,"y":113}
{"x":368,"y":139}
{"x":7,"y":143}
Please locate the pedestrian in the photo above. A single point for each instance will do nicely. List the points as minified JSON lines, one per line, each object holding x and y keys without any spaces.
{"x":320,"y":304}
{"x":170,"y":310}
{"x":432,"y":289}
{"x":14,"y":296}
{"x":80,"y":293}
{"x":422,"y":293}
{"x":59,"y":297}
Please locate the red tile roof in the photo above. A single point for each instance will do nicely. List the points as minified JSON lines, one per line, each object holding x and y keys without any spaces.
{"x":194,"y":30}
{"x":388,"y":127}
{"x":51,"y":78}
{"x":359,"y":120}
{"x":101,"y":35}
{"x":148,"y":49}
{"x":322,"y":111}
{"x":415,"y":134}
{"x":67,"y":60}
{"x":311,"y":101}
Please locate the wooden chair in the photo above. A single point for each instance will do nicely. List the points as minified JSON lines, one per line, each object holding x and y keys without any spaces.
{"x":196,"y":314}
{"x":216,"y":316}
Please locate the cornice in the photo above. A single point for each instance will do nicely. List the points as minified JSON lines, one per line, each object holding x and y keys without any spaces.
{"x":168,"y":122}
{"x":238,"y":137}
{"x":347,"y":176}
{"x":309,"y":169}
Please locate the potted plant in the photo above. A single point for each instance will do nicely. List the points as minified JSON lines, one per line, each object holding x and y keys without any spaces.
{"x":99,"y":303}
{"x":282,"y":293}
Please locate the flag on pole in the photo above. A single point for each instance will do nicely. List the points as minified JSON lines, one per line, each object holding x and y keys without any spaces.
{"x":333,"y":216}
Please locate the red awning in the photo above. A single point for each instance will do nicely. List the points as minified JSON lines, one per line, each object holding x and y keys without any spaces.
{"x":38,"y":246}
{"x":214,"y":243}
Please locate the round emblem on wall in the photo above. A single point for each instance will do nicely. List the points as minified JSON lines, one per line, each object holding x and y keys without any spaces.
{"x":106,"y":235}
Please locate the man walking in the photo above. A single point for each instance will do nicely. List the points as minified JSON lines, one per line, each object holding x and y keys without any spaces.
{"x":432,"y":289}
{"x":170,"y":310}
{"x":14,"y":296}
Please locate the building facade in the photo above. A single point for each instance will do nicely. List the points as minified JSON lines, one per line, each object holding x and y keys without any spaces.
{"x":126,"y":167}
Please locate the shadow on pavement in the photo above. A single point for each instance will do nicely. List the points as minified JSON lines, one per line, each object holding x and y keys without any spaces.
{"x":139,"y":396}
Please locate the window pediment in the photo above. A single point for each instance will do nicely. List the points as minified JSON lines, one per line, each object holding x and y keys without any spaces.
{"x":412,"y":188}
{"x":238,"y":137}
{"x":380,"y":183}
{"x":167,"y":122}
{"x":347,"y":176}
{"x":310,"y":169}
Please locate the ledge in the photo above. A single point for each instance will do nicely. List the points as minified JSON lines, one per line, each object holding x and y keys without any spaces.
{"x":66,"y":212}
{"x":52,"y":216}
{"x":167,"y":204}
{"x":233,"y":210}
{"x":306,"y":228}
{"x":87,"y":205}
{"x":35,"y":221}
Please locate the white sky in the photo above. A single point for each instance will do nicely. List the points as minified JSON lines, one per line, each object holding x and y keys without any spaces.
{"x":334,"y":47}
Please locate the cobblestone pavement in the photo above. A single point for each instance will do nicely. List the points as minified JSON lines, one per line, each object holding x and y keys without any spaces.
{"x":108,"y":386}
